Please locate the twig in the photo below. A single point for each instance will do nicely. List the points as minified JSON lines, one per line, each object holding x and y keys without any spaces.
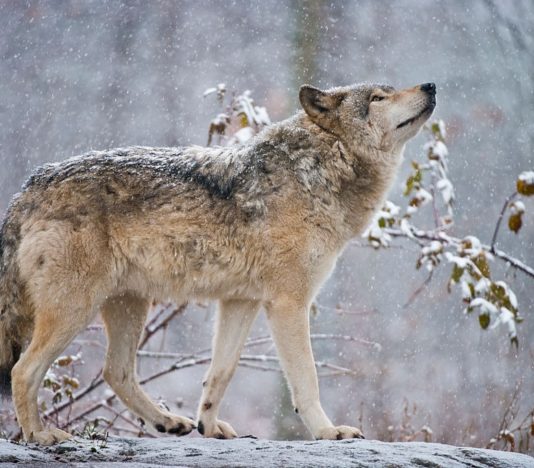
{"x":340,"y":310}
{"x":418,"y":291}
{"x":435,"y":212}
{"x":82,"y":415}
{"x":150,"y":332}
{"x":366,"y":245}
{"x":120,"y":415}
{"x":259,"y":367}
{"x":176,"y":366}
{"x":97,"y":381}
{"x":498,"y":225}
{"x":330,"y":336}
{"x":518,"y":264}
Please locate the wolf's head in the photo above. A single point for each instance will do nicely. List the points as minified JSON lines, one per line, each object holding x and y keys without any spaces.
{"x":369,"y":115}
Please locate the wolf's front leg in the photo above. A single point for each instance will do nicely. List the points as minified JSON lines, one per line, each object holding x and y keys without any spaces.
{"x":289,"y":322}
{"x":234,"y":319}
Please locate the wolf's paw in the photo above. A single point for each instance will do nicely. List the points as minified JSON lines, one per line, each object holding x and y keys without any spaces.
{"x":177,"y":425}
{"x":217,"y":430}
{"x":340,"y":432}
{"x":49,"y":437}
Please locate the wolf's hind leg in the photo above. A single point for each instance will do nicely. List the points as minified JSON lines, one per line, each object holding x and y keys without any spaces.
{"x":124,"y":317}
{"x":54,"y":329}
{"x":234,"y":319}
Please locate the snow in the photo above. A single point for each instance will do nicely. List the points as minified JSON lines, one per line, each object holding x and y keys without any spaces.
{"x":220,"y":89}
{"x":484,"y":305}
{"x":527,"y":177}
{"x":472,"y":246}
{"x":255,"y":114}
{"x":262,"y":115}
{"x":376,"y":235}
{"x":482,"y":286}
{"x":390,"y":209}
{"x":242,"y":135}
{"x":406,"y":228}
{"x":447,"y":190}
{"x":433,"y":247}
{"x":461,"y":262}
{"x":507,"y":318}
{"x":441,"y":127}
{"x":220,"y":119}
{"x":423,"y":196}
{"x":466,"y":291}
{"x":517,"y":207}
{"x":198,"y":452}
{"x":440,"y":149}
{"x":509,"y":293}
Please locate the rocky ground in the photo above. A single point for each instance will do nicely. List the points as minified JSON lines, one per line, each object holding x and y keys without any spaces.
{"x":197,"y":452}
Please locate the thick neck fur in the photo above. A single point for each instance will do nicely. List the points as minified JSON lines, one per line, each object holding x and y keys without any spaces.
{"x":348,"y":174}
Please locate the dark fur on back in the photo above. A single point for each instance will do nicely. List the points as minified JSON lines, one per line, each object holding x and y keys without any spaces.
{"x":145,"y":164}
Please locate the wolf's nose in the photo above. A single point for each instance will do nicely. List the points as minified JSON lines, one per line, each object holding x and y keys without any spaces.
{"x":429,"y":88}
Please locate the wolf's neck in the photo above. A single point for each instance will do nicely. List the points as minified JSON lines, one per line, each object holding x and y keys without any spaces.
{"x":351,"y":183}
{"x":365,"y":190}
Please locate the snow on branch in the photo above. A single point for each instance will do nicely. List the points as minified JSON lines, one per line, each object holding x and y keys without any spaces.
{"x":240,"y":120}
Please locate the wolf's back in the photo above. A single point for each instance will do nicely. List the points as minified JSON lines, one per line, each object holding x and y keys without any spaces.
{"x":11,"y":326}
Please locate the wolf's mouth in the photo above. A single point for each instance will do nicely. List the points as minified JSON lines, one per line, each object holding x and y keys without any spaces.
{"x":428,"y":108}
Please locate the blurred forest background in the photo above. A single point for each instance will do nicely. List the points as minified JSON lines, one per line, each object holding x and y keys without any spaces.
{"x":82,"y":75}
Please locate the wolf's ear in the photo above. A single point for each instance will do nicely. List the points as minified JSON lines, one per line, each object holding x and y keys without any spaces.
{"x":318,"y":104}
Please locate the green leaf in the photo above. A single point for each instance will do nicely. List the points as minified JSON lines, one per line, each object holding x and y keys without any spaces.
{"x":472,"y":289}
{"x":484,"y":320}
{"x":524,"y":187}
{"x":457,"y":273}
{"x":409,"y":186}
{"x":498,"y":291}
{"x":482,"y":264}
{"x":515,"y":222}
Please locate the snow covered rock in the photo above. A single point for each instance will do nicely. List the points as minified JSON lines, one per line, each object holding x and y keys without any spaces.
{"x":197,"y":452}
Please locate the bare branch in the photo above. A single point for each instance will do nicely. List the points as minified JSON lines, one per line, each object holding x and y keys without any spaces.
{"x":82,"y":415}
{"x":498,"y":225}
{"x":418,"y":291}
{"x":343,"y":311}
{"x":151,"y":330}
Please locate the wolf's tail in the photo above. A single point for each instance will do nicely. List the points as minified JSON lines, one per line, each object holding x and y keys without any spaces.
{"x":11,"y":325}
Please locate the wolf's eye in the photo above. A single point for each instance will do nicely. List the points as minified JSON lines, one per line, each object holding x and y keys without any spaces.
{"x":377,"y":98}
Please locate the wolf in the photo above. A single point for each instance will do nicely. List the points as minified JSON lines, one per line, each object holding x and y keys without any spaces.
{"x":257,"y":225}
